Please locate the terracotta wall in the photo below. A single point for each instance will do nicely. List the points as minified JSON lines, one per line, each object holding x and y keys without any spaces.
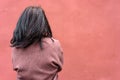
{"x":89,"y":32}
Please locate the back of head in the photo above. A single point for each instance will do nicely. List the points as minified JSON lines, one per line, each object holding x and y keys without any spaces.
{"x":31,"y":27}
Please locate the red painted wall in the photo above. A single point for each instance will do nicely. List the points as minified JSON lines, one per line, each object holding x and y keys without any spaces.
{"x":89,"y":31}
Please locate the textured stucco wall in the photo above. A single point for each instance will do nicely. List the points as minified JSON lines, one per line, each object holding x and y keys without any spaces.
{"x":89,"y":32}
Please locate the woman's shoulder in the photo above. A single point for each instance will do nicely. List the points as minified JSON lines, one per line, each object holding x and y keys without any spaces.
{"x":51,"y":40}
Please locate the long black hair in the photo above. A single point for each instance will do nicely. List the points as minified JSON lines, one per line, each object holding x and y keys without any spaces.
{"x":32,"y":26}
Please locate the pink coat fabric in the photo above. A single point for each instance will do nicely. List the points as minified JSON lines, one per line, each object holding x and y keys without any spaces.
{"x":34,"y":63}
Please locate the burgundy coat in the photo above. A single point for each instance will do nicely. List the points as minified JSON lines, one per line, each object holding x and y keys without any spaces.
{"x":34,"y":63}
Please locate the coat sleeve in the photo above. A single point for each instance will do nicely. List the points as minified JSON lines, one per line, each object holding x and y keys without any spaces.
{"x":57,"y":56}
